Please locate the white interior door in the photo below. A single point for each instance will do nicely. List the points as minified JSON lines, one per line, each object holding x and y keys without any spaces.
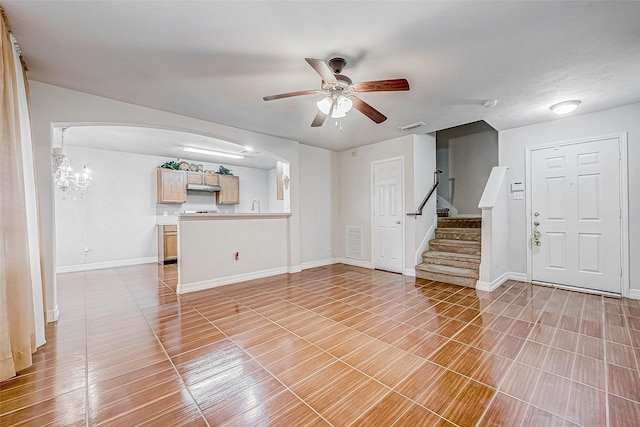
{"x":388,"y":216}
{"x":575,"y":199}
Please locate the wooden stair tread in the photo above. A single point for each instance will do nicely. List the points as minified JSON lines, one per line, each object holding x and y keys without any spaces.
{"x":459,"y":222}
{"x":457,"y":242}
{"x":451,"y":255}
{"x":452,"y":271}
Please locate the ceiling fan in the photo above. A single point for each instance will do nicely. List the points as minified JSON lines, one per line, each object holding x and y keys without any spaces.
{"x":340,"y":92}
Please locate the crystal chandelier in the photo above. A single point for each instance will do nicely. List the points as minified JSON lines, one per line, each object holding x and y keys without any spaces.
{"x":63,"y":176}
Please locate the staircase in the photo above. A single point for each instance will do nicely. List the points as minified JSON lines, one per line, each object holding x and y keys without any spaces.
{"x":454,"y":255}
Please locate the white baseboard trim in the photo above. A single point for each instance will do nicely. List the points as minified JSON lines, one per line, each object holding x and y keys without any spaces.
{"x":213,"y":283}
{"x":410,"y":272}
{"x":294,"y":269}
{"x":53,"y":315}
{"x":634,"y":293}
{"x":105,"y":264}
{"x":520,"y":277}
{"x":320,"y":263}
{"x":493,"y":285}
{"x":357,"y":263}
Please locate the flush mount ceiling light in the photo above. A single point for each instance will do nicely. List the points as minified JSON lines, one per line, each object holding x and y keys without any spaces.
{"x":212,"y":153}
{"x":565,"y":107}
{"x":490,"y":103}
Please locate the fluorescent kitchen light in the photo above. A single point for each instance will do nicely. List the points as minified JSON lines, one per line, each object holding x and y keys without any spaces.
{"x":213,"y":153}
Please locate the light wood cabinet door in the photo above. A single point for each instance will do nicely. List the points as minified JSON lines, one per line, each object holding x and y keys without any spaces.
{"x":170,"y":246}
{"x":171,"y":186}
{"x":229,"y":193}
{"x":195,"y":178}
{"x":167,"y":243}
{"x":211,"y":179}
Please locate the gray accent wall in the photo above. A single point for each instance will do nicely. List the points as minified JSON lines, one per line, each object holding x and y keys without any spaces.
{"x":466,"y":154}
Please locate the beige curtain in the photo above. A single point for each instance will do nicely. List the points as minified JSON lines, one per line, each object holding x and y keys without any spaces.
{"x":17,"y":324}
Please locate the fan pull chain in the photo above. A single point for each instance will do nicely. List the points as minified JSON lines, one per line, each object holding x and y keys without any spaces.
{"x":339,"y":124}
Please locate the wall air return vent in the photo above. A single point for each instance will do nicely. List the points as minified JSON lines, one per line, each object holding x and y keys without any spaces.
{"x":354,"y":241}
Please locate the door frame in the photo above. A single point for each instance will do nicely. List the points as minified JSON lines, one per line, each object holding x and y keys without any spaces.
{"x":624,"y":206}
{"x":402,"y":204}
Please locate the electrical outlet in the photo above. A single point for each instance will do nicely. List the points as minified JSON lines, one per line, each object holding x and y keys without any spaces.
{"x":518,"y":195}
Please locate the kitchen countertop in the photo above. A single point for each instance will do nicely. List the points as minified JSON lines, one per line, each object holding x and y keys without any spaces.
{"x":218,"y":216}
{"x":166,"y":220}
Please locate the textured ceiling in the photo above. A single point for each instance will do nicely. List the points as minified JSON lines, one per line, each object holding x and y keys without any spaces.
{"x":215,"y":60}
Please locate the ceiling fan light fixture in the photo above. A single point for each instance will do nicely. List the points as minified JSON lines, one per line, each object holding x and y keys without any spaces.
{"x":344,"y":104}
{"x":565,"y":107}
{"x":324,"y":105}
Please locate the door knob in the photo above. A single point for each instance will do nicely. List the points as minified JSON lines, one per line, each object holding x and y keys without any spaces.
{"x":398,"y":222}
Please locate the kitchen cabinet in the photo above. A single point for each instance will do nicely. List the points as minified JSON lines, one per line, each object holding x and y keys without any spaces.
{"x":207,"y":178}
{"x":171,"y":186}
{"x":211,"y":178}
{"x":194,"y":178}
{"x":167,"y":243}
{"x":229,"y":193}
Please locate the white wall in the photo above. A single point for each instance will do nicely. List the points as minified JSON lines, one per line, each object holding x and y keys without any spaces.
{"x":512,"y":146}
{"x":471,"y":151}
{"x":207,"y":248}
{"x":355,"y":193}
{"x":116,"y":217}
{"x":318,"y":211}
{"x":494,"y":266}
{"x":52,"y":105}
{"x":424,"y":164}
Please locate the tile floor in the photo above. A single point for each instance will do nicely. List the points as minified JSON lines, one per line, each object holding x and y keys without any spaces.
{"x":336,"y":345}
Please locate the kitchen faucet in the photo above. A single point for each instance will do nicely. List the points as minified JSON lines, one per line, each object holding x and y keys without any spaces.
{"x":253,"y":205}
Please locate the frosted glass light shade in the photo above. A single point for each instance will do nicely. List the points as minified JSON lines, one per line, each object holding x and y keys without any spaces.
{"x":324,"y":105}
{"x":565,"y":107}
{"x":343,"y":105}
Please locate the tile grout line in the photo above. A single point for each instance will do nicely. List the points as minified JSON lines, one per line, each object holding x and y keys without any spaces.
{"x":425,"y":359}
{"x":163,"y":350}
{"x":391,"y":389}
{"x":486,"y":409}
{"x":572,"y":384}
{"x":253,"y":358}
{"x":606,"y":365}
{"x":338,"y":359}
{"x":86,"y":355}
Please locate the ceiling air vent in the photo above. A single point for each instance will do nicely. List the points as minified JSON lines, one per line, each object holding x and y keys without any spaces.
{"x":413,"y":126}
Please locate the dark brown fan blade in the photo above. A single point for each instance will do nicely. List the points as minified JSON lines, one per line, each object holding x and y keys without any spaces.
{"x":323,"y":69}
{"x":290,"y":94}
{"x":382,"y":86}
{"x":368,"y":110}
{"x":319,"y":119}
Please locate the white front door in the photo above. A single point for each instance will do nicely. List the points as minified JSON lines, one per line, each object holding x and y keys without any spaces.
{"x":388,"y":216}
{"x":575,"y":199}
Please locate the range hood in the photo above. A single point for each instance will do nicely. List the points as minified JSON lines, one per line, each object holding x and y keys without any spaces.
{"x":203,"y":187}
